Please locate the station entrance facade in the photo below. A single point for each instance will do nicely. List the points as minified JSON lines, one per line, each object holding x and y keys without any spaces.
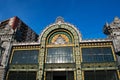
{"x":61,"y":54}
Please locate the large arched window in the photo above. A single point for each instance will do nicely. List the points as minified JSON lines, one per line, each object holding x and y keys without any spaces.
{"x":58,"y":42}
{"x":62,"y":53}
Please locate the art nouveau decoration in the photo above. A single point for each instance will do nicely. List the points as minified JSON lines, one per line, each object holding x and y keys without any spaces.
{"x":60,"y":39}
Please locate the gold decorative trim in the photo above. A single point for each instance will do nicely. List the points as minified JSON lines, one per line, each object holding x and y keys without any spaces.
{"x":95,"y":43}
{"x":83,"y":75}
{"x":74,"y":75}
{"x":118,"y":73}
{"x":58,"y":45}
{"x":25,"y":47}
{"x":24,"y":67}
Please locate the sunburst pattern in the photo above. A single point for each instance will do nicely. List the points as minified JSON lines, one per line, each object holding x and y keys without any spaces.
{"x":60,"y":39}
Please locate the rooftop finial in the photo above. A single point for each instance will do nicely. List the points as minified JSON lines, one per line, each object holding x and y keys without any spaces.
{"x":116,"y":20}
{"x":59,"y":19}
{"x":106,"y":24}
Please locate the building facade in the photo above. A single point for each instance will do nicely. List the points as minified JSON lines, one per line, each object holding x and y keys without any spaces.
{"x":58,"y":53}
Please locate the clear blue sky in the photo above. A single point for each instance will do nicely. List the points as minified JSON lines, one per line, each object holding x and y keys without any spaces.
{"x":88,"y":15}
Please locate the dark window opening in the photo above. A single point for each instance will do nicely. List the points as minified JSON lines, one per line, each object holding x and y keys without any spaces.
{"x":60,"y":75}
{"x":22,"y":75}
{"x":100,"y":75}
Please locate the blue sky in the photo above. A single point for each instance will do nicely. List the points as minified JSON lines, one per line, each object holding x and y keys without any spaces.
{"x":89,"y":16}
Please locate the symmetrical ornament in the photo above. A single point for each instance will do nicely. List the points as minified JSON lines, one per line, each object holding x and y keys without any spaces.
{"x":60,"y":39}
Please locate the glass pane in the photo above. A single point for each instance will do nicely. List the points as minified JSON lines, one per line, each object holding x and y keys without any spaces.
{"x":25,"y":57}
{"x":60,"y":55}
{"x":97,"y":54}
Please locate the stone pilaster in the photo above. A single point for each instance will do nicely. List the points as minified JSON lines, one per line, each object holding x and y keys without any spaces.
{"x":41,"y":63}
{"x":78,"y":63}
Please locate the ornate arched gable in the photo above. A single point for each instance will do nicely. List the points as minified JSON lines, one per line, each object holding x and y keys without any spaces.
{"x":60,"y":32}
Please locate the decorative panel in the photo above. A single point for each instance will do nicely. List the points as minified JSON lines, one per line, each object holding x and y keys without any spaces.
{"x":59,"y":65}
{"x":99,"y":65}
{"x":23,"y":67}
{"x":62,"y":37}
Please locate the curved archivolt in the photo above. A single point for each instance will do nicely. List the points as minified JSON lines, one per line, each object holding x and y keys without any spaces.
{"x":72,"y":36}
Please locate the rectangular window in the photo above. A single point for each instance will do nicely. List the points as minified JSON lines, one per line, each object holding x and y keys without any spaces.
{"x":22,"y":75}
{"x":100,"y":75}
{"x":25,"y":57}
{"x":60,"y":55}
{"x":97,"y":54}
{"x":59,"y":75}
